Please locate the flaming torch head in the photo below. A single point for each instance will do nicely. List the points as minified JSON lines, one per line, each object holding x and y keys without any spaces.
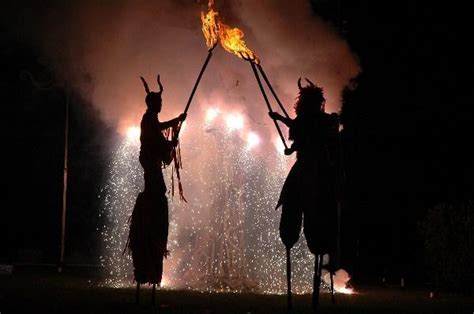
{"x":210,"y":27}
{"x":231,"y":39}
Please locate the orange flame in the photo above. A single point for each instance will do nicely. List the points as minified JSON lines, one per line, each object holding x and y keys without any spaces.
{"x":210,"y":28}
{"x":231,"y":39}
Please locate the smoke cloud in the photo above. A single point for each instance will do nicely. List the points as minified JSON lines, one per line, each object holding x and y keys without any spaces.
{"x":104,"y":46}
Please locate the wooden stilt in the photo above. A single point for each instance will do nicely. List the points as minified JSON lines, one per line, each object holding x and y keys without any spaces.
{"x":153,"y":294}
{"x":137,"y":294}
{"x":288,"y":279}
{"x":318,"y":266}
{"x":333,"y":300}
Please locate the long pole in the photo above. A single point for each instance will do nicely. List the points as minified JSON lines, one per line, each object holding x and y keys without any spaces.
{"x":63,"y":218}
{"x":252,"y":64}
{"x":259,"y":66}
{"x":204,"y":66}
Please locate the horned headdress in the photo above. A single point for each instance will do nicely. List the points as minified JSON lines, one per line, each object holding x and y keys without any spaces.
{"x":310,"y":94}
{"x":150,"y":96}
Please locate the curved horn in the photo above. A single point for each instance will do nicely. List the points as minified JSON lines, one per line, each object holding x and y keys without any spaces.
{"x":299,"y":83}
{"x":147,"y":90}
{"x":159,"y":84}
{"x":310,"y":83}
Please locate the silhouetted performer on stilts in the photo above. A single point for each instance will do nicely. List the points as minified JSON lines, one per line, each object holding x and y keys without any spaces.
{"x":148,"y":235}
{"x":310,"y":188}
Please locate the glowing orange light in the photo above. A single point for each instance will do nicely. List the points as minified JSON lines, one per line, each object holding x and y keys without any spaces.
{"x":344,"y":290}
{"x":340,"y":279}
{"x":210,"y":28}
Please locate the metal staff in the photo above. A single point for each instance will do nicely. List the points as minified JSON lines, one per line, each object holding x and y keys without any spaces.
{"x":288,"y":250}
{"x":259,"y":66}
{"x":204,"y":66}
{"x":252,"y":64}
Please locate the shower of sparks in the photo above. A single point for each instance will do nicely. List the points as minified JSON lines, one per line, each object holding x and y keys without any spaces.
{"x":226,"y":237}
{"x":119,"y":194}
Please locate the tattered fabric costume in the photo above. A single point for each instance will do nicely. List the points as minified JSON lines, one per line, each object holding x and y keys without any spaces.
{"x":148,"y":236}
{"x":308,"y":196}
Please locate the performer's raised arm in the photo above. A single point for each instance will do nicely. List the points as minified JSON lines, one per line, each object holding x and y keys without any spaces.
{"x":173,"y":122}
{"x":276,"y":116}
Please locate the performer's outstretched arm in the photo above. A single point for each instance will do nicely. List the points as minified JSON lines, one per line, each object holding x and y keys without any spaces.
{"x":276,"y":116}
{"x":172,"y":122}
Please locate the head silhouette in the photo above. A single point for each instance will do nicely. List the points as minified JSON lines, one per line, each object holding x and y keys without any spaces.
{"x":310,"y":99}
{"x":153,"y":99}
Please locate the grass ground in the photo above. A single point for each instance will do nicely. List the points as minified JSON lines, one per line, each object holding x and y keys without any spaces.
{"x":48,"y":292}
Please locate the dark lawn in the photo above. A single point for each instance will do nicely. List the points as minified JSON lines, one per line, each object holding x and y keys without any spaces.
{"x":49,"y":292}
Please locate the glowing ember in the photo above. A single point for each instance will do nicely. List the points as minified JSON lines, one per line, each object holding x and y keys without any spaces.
{"x":165,"y":282}
{"x":231,"y":39}
{"x":234,"y":122}
{"x":252,"y":140}
{"x":133,"y":133}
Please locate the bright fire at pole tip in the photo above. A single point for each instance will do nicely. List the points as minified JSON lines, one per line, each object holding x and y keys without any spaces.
{"x":210,"y":28}
{"x":230,"y":38}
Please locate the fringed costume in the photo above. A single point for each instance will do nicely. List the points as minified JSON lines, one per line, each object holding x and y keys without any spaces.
{"x":309,"y":190}
{"x":149,"y":224}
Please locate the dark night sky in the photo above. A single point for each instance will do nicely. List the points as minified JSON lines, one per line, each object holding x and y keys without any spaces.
{"x":407,"y":132}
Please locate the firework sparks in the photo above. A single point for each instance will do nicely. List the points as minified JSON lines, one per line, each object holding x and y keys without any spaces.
{"x":226,"y":237}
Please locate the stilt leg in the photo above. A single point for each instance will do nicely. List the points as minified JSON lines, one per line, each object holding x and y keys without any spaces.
{"x":137,"y":294}
{"x":318,"y":266}
{"x":332,"y":288}
{"x":153,"y":294}
{"x":288,"y":279}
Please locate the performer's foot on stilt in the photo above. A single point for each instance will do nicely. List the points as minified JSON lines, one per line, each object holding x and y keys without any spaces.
{"x":288,"y":278}
{"x":318,"y":266}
